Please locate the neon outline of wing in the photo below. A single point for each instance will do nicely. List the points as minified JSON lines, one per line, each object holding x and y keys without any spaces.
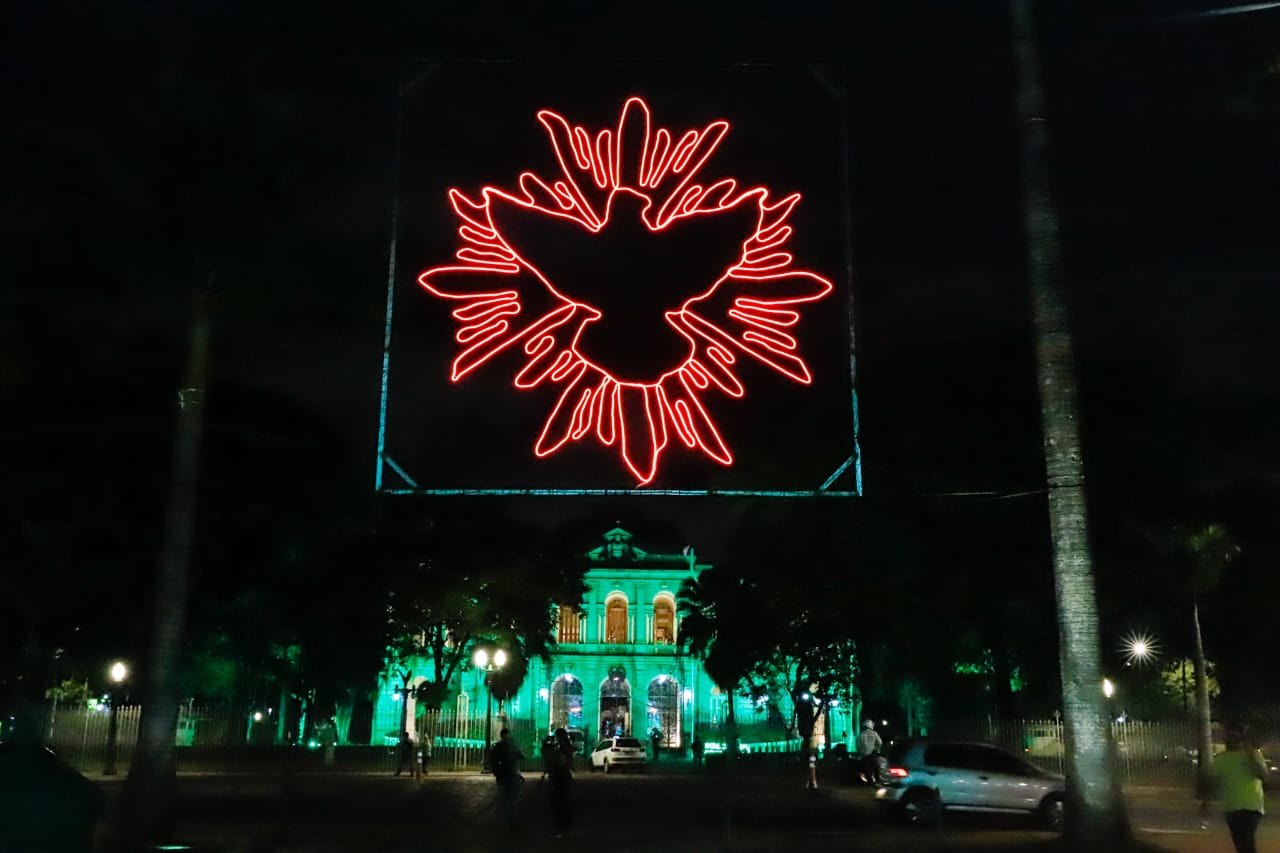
{"x":640,"y":419}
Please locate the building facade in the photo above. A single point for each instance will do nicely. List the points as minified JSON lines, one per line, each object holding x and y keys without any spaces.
{"x":618,"y":667}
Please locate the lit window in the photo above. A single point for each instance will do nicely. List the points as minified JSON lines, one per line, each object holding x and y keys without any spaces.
{"x":664,"y":620}
{"x":615,"y":627}
{"x":567,"y":632}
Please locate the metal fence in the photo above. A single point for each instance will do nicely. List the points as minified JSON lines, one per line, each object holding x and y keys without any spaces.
{"x":1145,"y":751}
{"x":223,"y":741}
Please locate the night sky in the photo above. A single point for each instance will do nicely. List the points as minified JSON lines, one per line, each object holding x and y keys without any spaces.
{"x":248,"y":151}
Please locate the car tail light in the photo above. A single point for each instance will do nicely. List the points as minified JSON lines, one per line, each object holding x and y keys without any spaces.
{"x":898,"y":772}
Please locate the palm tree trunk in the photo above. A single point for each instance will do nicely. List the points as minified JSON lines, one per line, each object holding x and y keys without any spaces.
{"x":148,"y":797}
{"x":1204,"y":724}
{"x":731,"y":740}
{"x":1096,"y":817}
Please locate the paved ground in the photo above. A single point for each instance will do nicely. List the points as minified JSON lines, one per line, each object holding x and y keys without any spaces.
{"x":650,"y":812}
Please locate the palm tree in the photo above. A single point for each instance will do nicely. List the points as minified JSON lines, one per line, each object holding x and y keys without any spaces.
{"x":149,"y":791}
{"x":1208,"y":550}
{"x":719,"y":624}
{"x":1096,"y":817}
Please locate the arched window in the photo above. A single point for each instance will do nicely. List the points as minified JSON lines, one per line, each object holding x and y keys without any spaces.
{"x":615,"y":705}
{"x":664,"y":619}
{"x":664,"y":710}
{"x":615,"y":619}
{"x":566,"y":703}
{"x":567,"y":631}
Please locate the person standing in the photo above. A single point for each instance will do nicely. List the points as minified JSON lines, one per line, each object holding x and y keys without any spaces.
{"x":560,"y":770}
{"x":504,"y":761}
{"x":869,"y":746}
{"x":1238,"y":775}
{"x":327,"y":735}
{"x":405,"y":754}
{"x":417,"y":758}
{"x":549,"y":752}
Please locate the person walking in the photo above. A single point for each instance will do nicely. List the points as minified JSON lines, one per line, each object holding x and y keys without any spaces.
{"x":560,"y":770}
{"x":1238,"y":775}
{"x":504,"y":762}
{"x":697,"y":747}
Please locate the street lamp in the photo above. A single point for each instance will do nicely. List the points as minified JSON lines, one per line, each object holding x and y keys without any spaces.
{"x":483,"y":662}
{"x":119,"y":672}
{"x":1139,"y":648}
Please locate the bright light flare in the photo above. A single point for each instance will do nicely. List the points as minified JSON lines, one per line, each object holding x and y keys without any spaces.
{"x":1139,"y":648}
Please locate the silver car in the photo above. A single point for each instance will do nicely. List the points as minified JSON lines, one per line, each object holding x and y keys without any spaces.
{"x":928,"y":776}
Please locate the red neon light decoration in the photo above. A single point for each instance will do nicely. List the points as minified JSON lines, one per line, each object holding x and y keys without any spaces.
{"x":491,"y":283}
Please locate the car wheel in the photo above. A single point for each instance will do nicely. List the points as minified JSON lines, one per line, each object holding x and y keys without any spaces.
{"x":921,"y":807}
{"x":1053,"y":812}
{"x":606,"y":765}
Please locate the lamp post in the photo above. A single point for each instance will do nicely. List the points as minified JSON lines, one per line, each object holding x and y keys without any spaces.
{"x":483,"y":662}
{"x":119,"y":672}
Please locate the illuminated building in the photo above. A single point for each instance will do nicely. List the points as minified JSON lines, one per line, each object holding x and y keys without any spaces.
{"x":618,"y":665}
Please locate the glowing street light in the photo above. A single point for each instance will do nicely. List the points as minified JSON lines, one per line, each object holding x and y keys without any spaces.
{"x":1108,"y":689}
{"x":1139,"y":648}
{"x":482,"y":661}
{"x":118,"y":672}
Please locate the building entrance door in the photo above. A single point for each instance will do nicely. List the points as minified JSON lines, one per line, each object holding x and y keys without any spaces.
{"x":615,"y":706}
{"x":664,"y":711}
{"x":566,"y":703}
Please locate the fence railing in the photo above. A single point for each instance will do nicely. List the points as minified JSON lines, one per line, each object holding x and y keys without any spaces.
{"x":221,"y":741}
{"x":218,"y":740}
{"x":1145,"y":751}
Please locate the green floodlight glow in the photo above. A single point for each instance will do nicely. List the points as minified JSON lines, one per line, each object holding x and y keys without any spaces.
{"x":972,"y":669}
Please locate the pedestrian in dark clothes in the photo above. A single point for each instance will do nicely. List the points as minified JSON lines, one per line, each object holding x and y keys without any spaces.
{"x":560,"y":770}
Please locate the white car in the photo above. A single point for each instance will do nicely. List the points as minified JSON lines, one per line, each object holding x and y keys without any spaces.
{"x":617,"y":753}
{"x":928,"y":776}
